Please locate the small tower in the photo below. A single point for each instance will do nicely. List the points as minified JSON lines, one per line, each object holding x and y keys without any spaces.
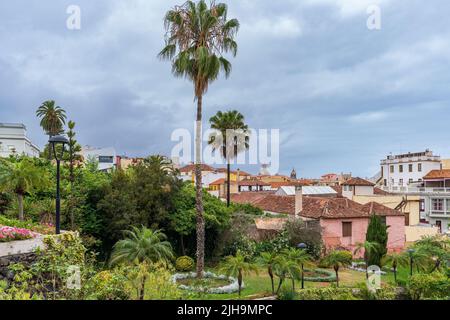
{"x":294,"y":174}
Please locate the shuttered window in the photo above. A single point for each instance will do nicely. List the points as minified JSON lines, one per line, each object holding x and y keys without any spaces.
{"x":346,"y":229}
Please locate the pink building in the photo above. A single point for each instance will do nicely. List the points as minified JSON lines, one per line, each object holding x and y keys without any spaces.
{"x":344,"y":222}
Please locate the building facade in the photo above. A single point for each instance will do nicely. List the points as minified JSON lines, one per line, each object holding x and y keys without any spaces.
{"x":106,"y":157}
{"x":14,"y":140}
{"x":402,"y":170}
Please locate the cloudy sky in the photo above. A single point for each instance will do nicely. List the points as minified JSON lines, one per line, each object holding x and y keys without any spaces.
{"x":342,"y":96}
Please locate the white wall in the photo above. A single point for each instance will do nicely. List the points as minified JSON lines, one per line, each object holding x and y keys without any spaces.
{"x":13,"y":137}
{"x":427,"y":166}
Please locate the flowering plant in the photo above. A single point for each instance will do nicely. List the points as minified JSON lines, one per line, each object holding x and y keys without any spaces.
{"x":11,"y":234}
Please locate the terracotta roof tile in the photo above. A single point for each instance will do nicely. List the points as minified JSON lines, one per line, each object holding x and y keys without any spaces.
{"x":191,"y":167}
{"x":358,"y":182}
{"x":438,"y":174}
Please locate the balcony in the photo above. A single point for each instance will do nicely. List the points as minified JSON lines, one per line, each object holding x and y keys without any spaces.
{"x":415,"y":190}
{"x":439,"y":214}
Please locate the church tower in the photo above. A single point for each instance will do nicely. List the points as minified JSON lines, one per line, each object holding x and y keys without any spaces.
{"x":294,"y":174}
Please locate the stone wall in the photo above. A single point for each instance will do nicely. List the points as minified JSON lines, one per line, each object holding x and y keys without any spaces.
{"x":5,"y":262}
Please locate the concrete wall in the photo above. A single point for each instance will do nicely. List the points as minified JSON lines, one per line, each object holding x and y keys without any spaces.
{"x":414,"y":233}
{"x":20,"y":247}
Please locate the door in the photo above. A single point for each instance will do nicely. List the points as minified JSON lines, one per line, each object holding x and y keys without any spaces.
{"x":439,"y":225}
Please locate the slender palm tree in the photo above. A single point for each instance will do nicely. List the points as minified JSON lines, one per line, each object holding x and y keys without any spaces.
{"x":22,"y":178}
{"x":238,"y":267}
{"x":368,"y":247}
{"x":338,"y":259}
{"x":52,"y":118}
{"x":229,"y":125}
{"x":299,"y":257}
{"x":431,"y":251}
{"x":142,"y":245}
{"x":395,"y":260}
{"x":268,"y":259}
{"x":285,"y":268}
{"x":196,"y":39}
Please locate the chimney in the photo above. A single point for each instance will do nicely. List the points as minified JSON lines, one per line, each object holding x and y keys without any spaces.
{"x":298,"y":200}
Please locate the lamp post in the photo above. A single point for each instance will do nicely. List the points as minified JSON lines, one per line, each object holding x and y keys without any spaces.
{"x":53,"y":143}
{"x":411,"y":252}
{"x":302,"y":246}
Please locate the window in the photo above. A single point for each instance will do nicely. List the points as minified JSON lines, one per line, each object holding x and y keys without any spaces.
{"x":448,"y":205}
{"x":422,"y":205}
{"x":385,"y":182}
{"x":346,"y":229}
{"x":400,"y":168}
{"x":392,"y":169}
{"x":383,"y":219}
{"x":411,"y":181}
{"x":419,"y":167}
{"x":105,"y":159}
{"x":400,"y":182}
{"x":392,"y":181}
{"x":410,"y":168}
{"x":437,"y":204}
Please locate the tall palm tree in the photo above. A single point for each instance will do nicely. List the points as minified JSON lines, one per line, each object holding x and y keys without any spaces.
{"x":142,"y":245}
{"x":196,"y":39}
{"x":299,"y":257}
{"x":52,"y":118}
{"x":337,"y":259}
{"x":368,"y":247}
{"x":22,"y":178}
{"x":238,"y":267}
{"x":396,"y":260}
{"x":268,"y":260}
{"x":229,"y":124}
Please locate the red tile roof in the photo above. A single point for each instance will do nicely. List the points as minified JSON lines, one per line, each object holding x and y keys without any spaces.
{"x":191,"y":167}
{"x":316,"y":207}
{"x":220,"y":181}
{"x":438,"y":174}
{"x":358,"y":182}
{"x":253,"y":182}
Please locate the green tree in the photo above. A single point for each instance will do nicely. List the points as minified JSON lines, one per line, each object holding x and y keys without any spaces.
{"x":377,"y":233}
{"x":238,"y":267}
{"x":283,"y":268}
{"x":299,"y":257}
{"x":431,"y":252}
{"x":142,"y":246}
{"x":395,"y":260}
{"x":229,"y":125}
{"x":22,"y":178}
{"x":197,"y":37}
{"x":73,"y":150}
{"x":268,"y":260}
{"x":52,"y":118}
{"x":337,"y":259}
{"x":370,"y":249}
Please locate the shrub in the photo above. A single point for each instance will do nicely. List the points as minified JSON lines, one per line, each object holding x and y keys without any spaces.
{"x":286,"y":294}
{"x":309,"y":233}
{"x":108,"y":285}
{"x":246,"y":208}
{"x":429,"y":286}
{"x":386,"y":292}
{"x":330,"y":293}
{"x":184,"y":264}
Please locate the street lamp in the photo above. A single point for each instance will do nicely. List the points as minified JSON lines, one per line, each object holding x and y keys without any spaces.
{"x":53,"y":143}
{"x":302,"y":246}
{"x":411,"y":252}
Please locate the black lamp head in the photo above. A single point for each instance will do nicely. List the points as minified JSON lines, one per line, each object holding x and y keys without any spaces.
{"x":54,"y":141}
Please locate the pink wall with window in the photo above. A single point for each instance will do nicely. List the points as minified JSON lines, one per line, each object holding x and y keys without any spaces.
{"x":332,"y":233}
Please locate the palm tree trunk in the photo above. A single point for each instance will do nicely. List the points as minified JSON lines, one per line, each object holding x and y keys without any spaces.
{"x":228,"y":183}
{"x":269,"y":270}
{"x":49,"y":148}
{"x":279,"y":285}
{"x":337,"y":277}
{"x":199,"y":192}
{"x":142,"y":293}
{"x":240,"y":282}
{"x":20,"y":204}
{"x":183,"y":250}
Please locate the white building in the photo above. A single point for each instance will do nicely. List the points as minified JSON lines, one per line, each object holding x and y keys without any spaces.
{"x":322,"y":191}
{"x":106,"y":157}
{"x":14,"y":140}
{"x":398,"y":171}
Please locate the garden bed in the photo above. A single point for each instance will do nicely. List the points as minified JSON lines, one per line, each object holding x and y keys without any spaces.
{"x":211,"y":283}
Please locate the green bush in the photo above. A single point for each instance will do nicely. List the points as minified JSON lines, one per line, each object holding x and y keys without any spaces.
{"x":330,"y":293}
{"x":108,"y":285}
{"x":286,"y":294}
{"x":386,"y":292}
{"x":435,"y":285}
{"x":185,"y":264}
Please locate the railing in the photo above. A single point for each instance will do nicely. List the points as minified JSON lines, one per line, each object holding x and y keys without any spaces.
{"x":415,"y":189}
{"x":439,"y":214}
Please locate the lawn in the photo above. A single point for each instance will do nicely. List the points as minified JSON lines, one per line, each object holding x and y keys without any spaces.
{"x":259,"y":285}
